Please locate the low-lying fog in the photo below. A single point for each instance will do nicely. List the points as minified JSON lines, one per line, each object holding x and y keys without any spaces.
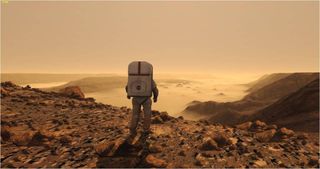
{"x":173,"y":98}
{"x":176,"y":91}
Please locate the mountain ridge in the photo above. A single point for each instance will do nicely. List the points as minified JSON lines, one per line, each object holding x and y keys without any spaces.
{"x":218,"y":112}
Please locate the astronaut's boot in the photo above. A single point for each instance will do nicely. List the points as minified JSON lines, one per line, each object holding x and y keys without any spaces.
{"x":131,"y":137}
{"x":144,"y":140}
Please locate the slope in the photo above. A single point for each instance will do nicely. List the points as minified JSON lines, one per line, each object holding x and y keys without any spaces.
{"x":298,"y":111}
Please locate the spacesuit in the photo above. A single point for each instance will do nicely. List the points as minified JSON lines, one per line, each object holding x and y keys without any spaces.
{"x":146,"y":102}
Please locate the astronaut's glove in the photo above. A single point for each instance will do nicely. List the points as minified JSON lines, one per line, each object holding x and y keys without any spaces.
{"x":128,"y":97}
{"x":155,"y":99}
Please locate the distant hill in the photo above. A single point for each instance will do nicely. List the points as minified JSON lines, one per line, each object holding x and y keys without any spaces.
{"x":27,"y":78}
{"x":281,"y":87}
{"x":95,"y":84}
{"x":105,"y":83}
{"x":239,"y":111}
{"x":299,"y":110}
{"x":265,"y":80}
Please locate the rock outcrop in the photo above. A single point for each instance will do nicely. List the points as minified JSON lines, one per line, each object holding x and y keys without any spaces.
{"x":48,"y":129}
{"x":267,"y":100}
{"x":299,"y":109}
{"x":72,"y":91}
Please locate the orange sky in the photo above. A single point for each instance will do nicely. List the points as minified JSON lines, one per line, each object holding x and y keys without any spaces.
{"x":210,"y":37}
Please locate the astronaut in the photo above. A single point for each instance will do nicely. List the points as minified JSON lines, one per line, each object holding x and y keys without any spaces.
{"x":140,"y":87}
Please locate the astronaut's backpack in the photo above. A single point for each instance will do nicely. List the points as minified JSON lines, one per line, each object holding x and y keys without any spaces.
{"x":140,"y":77}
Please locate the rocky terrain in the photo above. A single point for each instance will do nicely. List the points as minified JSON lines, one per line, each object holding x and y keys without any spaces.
{"x":262,"y":93}
{"x":48,"y":129}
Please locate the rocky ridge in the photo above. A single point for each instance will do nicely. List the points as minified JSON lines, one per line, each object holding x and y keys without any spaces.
{"x":48,"y":129}
{"x":262,"y":94}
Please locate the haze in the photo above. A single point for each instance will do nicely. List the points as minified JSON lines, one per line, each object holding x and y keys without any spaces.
{"x":205,"y":37}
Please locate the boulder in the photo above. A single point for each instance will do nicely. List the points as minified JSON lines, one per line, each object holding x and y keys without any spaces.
{"x":165,"y":117}
{"x":8,"y":84}
{"x":157,"y":120}
{"x":108,"y":149}
{"x":221,"y":139}
{"x":302,"y":136}
{"x":272,"y":126}
{"x":72,"y":91}
{"x":244,"y":126}
{"x":22,"y":139}
{"x":258,"y":126}
{"x":208,"y":144}
{"x":4,"y":92}
{"x":283,"y":133}
{"x":180,"y":118}
{"x":259,"y":163}
{"x":153,"y":161}
{"x":37,"y":138}
{"x":265,"y":136}
{"x":286,"y":132}
{"x":201,"y":160}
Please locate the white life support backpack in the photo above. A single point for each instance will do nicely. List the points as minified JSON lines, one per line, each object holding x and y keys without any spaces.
{"x":140,"y":77}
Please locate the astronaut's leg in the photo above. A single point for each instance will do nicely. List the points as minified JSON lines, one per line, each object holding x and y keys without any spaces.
{"x":147,"y":115}
{"x":136,"y":108}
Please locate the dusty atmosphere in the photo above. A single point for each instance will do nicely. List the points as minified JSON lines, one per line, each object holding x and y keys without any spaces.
{"x":223,"y":84}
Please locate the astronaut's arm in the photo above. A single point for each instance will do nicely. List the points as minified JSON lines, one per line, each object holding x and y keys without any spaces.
{"x":155,"y":91}
{"x":127,"y":91}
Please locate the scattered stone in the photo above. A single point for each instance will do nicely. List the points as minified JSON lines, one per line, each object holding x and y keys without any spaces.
{"x":3,"y":92}
{"x":182,"y":153}
{"x":5,"y":133}
{"x":302,"y":136}
{"x":180,"y":118}
{"x":258,"y":126}
{"x":90,"y":99}
{"x":283,"y":133}
{"x":8,"y":84}
{"x":221,"y":139}
{"x":22,"y":139}
{"x":201,"y":160}
{"x":152,"y":161}
{"x":260,"y":163}
{"x":272,"y":126}
{"x":244,"y":126}
{"x":232,"y":140}
{"x":64,"y":140}
{"x":265,"y":136}
{"x":37,"y":138}
{"x":155,"y":148}
{"x":314,"y":161}
{"x":165,"y":117}
{"x":157,"y":120}
{"x":109,"y":148}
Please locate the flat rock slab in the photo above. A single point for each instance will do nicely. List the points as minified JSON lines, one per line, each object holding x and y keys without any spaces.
{"x":120,"y":154}
{"x":126,"y":156}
